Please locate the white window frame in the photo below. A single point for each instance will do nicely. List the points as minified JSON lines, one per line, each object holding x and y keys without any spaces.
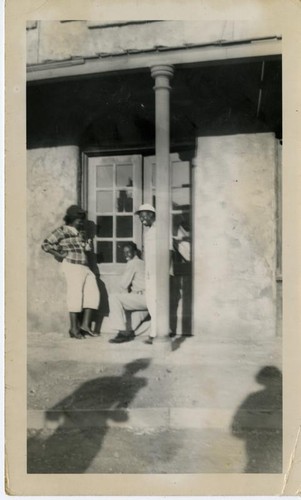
{"x":89,"y":201}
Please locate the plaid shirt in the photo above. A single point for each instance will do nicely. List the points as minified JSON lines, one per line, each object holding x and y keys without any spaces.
{"x":67,"y":239}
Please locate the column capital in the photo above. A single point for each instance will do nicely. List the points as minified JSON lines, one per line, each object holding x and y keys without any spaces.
{"x":162,"y":70}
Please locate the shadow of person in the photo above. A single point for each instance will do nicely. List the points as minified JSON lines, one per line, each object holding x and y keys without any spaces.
{"x":258,"y":421}
{"x":82,"y":420}
{"x":177,"y":342}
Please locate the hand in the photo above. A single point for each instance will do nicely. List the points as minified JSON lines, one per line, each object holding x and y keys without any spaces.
{"x":59,"y":256}
{"x":88,"y":246}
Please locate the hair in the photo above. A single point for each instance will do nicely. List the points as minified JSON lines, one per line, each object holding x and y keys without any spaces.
{"x":68,"y":219}
{"x":130,"y":244}
{"x":133,"y":246}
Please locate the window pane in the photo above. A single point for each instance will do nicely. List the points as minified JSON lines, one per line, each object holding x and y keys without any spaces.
{"x":124,"y":201}
{"x":119,"y":251}
{"x":104,"y":201}
{"x":104,"y":251}
{"x":90,"y":229}
{"x":104,"y":226}
{"x":180,"y":174}
{"x":181,"y":237}
{"x":124,"y":227}
{"x":176,"y":222}
{"x":124,"y":175}
{"x":104,"y":176}
{"x":180,"y":197}
{"x":181,"y":220}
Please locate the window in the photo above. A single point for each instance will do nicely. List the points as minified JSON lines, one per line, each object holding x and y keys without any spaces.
{"x":180,"y":191}
{"x":114,"y":187}
{"x":113,"y":191}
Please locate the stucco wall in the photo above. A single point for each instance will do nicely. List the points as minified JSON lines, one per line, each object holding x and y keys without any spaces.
{"x":56,"y":40}
{"x":235,"y":235}
{"x":51,"y":184}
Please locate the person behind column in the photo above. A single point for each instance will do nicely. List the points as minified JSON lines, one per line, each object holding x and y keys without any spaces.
{"x":69,"y":246}
{"x":180,"y":279}
{"x":131,"y":297}
{"x":147,"y":216}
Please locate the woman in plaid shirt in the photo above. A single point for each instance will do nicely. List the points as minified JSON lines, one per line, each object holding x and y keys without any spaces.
{"x":68,"y":245}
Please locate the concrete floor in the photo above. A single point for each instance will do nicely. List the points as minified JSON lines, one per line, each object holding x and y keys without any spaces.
{"x":190,"y":405}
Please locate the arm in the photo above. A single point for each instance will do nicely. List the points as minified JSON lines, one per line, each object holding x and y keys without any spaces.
{"x":52,"y":245}
{"x":182,"y":243}
{"x":127,"y":277}
{"x":91,"y":257}
{"x":59,"y":256}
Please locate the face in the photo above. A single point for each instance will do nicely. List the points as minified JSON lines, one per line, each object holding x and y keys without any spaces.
{"x":147,"y":218}
{"x":78,"y":224}
{"x":128,"y":253}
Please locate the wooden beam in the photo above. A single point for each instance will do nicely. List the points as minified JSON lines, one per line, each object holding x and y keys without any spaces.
{"x":84,"y":67}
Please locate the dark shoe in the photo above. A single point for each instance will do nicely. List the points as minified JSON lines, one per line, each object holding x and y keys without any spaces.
{"x":125,"y":333}
{"x":122,"y":337}
{"x":76,"y":335}
{"x":149,"y":341}
{"x":172,"y":334}
{"x":88,"y":332}
{"x":120,"y":334}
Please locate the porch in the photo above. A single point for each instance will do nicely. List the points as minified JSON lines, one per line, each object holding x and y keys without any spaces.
{"x":225,"y":121}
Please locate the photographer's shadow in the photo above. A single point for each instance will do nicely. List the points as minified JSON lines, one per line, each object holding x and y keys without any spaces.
{"x":82,"y":420}
{"x":258,"y":421}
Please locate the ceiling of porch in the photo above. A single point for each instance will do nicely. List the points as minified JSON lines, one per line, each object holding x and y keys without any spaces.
{"x":116,"y":111}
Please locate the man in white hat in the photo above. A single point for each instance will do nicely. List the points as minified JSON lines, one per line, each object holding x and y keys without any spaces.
{"x":147,"y":216}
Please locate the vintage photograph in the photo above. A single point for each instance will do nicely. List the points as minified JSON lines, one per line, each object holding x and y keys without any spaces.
{"x":154,"y":222}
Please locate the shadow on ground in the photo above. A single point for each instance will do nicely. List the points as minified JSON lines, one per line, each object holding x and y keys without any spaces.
{"x":177,"y":342}
{"x":258,"y":421}
{"x":82,"y":421}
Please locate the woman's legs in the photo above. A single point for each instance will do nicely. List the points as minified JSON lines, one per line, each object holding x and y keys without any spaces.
{"x":74,"y":326}
{"x":82,"y":295}
{"x":91,"y":298}
{"x":86,"y":323}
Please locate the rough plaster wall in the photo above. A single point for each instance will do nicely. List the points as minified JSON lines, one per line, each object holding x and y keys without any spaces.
{"x":51,"y":184}
{"x":58,"y":41}
{"x":32,"y":42}
{"x":235,"y":235}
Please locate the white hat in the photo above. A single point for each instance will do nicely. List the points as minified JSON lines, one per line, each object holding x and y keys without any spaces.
{"x":146,"y":207}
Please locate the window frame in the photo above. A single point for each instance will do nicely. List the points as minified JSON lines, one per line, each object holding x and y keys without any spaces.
{"x":117,"y":159}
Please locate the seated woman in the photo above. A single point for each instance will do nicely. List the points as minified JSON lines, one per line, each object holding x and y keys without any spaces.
{"x":130,"y":298}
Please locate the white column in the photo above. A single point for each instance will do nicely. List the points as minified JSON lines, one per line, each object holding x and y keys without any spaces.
{"x":162,"y":75}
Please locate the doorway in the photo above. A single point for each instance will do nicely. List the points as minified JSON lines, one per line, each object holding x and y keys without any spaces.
{"x":113,"y":188}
